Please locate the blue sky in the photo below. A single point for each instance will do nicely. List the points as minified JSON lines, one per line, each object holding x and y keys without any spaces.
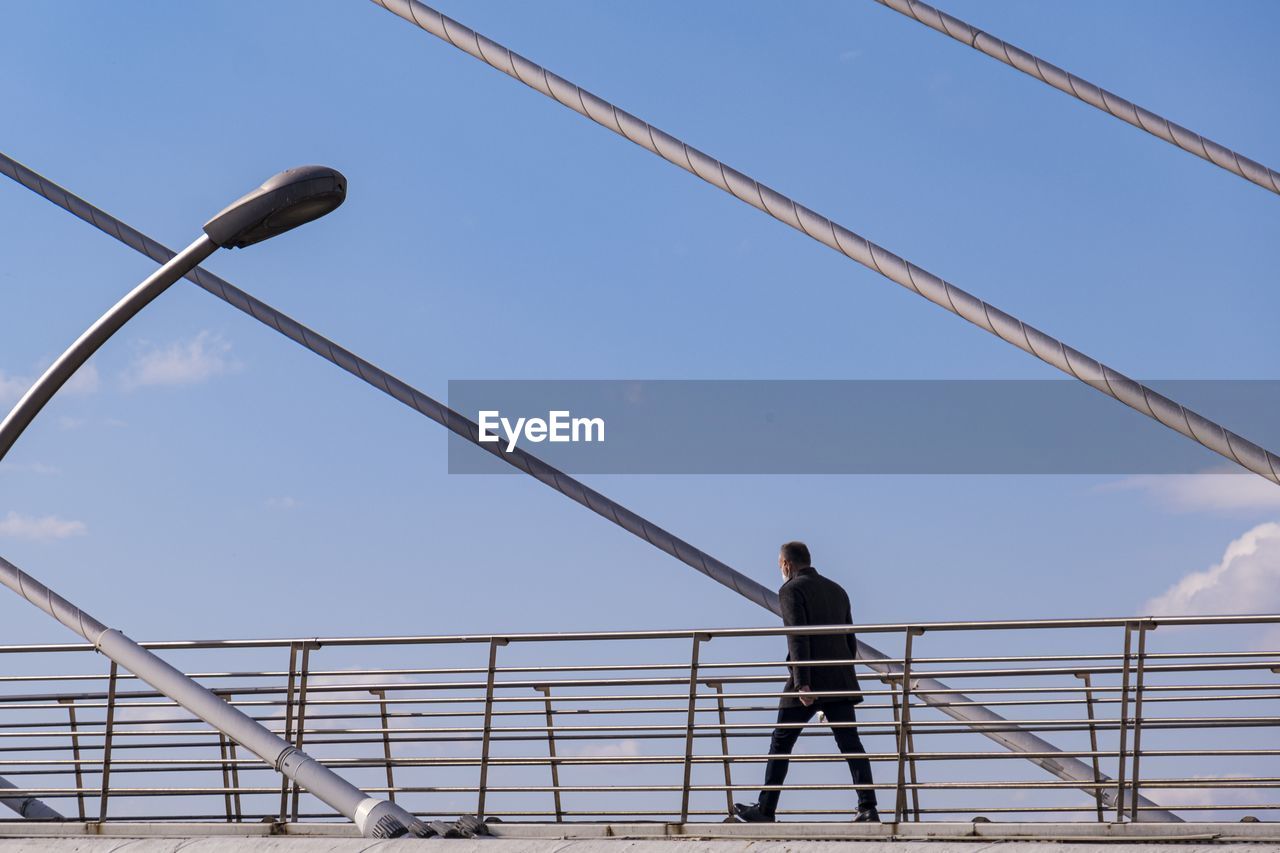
{"x":210,"y":478}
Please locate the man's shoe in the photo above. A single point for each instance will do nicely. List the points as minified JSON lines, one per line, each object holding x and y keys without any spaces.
{"x":867,"y":816}
{"x":752,"y":813}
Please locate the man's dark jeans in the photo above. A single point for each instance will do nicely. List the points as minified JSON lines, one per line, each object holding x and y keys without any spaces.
{"x":784,"y":740}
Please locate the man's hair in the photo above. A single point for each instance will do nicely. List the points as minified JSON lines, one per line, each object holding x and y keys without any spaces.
{"x":796,"y":553}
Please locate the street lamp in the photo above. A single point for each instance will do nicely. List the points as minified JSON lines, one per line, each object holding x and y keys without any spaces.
{"x":291,"y":198}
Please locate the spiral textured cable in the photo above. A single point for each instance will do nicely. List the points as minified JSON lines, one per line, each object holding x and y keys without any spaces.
{"x":1082,"y":90}
{"x":957,"y":706}
{"x":1050,"y":350}
{"x":398,"y":389}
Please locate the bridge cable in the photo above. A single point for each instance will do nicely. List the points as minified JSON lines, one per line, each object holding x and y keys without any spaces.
{"x":1082,"y":90}
{"x":954,"y":705}
{"x":1050,"y":350}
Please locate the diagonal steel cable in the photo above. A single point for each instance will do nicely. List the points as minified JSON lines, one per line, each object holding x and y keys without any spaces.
{"x":1050,"y":350}
{"x":954,"y":705}
{"x":394,"y":387}
{"x":1082,"y":90}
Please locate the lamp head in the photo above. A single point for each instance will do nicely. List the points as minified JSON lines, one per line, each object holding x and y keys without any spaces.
{"x":292,"y":198}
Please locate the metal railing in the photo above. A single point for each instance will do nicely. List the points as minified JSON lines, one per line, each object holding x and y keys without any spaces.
{"x":663,"y":725}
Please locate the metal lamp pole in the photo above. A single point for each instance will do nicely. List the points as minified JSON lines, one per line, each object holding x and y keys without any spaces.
{"x":289,"y":199}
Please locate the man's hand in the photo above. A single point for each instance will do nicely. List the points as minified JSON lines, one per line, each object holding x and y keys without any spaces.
{"x":806,"y":696}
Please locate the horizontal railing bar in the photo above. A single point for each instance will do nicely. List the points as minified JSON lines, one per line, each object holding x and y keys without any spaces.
{"x":85,"y":700}
{"x":401,"y":734}
{"x":1044,"y":809}
{"x":429,"y":686}
{"x":281,"y":674}
{"x":1109,"y":670}
{"x":1096,"y":657}
{"x":160,"y":765}
{"x":257,"y":817}
{"x":1042,"y":725}
{"x":392,"y":714}
{"x":402,"y":708}
{"x":811,"y":786}
{"x":712,"y":633}
{"x":139,"y":766}
{"x":612,"y":736}
{"x":88,"y":725}
{"x":1067,"y":688}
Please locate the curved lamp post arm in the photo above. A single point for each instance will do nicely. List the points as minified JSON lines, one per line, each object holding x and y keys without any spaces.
{"x":284,"y":202}
{"x":26,"y":409}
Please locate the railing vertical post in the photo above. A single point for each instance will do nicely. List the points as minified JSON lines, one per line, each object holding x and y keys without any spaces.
{"x":494,"y":644}
{"x":911,"y":761}
{"x":551,"y":750}
{"x":904,"y":727}
{"x":105,"y":790}
{"x":688,"y":731}
{"x":301,"y":726}
{"x":224,"y":752}
{"x":235,"y":772}
{"x":1137,"y":719}
{"x":75,"y":751}
{"x":235,"y":780}
{"x":897,"y":713}
{"x":1093,"y":743}
{"x":230,"y":773}
{"x":1124,"y":723}
{"x":915,"y":780}
{"x":226,"y":774}
{"x":724,"y":746}
{"x":386,"y":742}
{"x":288,"y":726}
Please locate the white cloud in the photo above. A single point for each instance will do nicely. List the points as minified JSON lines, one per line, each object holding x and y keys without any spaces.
{"x":628,"y":748}
{"x":31,"y":468}
{"x":182,"y":363}
{"x":1210,"y":491}
{"x":285,"y":502}
{"x":360,"y":684}
{"x":46,"y":527}
{"x":84,"y":381}
{"x":1189,"y":798}
{"x":1246,"y":580}
{"x":151,"y":711}
{"x":12,"y":387}
{"x":849,"y":55}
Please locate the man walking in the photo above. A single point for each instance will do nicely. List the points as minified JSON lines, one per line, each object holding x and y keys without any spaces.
{"x":808,"y":598}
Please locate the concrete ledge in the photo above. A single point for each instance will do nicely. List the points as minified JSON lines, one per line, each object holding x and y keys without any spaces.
{"x":285,"y":844}
{"x":644,"y":837}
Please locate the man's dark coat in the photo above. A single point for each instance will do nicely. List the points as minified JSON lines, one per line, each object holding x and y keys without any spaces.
{"x":808,"y":598}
